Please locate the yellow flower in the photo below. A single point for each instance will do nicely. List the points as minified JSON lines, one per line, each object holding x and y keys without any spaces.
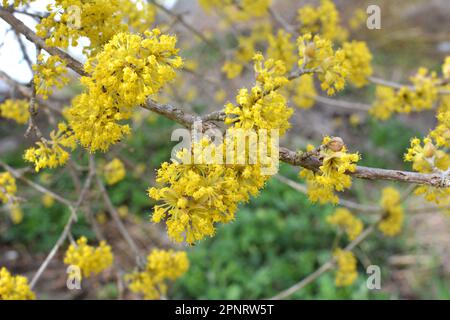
{"x":355,"y":119}
{"x":323,"y":20}
{"x":194,"y":197}
{"x":426,"y":157}
{"x":346,"y":273}
{"x":16,"y":213}
{"x":333,"y":173}
{"x":114,"y":171}
{"x":441,"y":134}
{"x":101,"y":217}
{"x":52,"y":153}
{"x":16,"y":110}
{"x":128,"y":70}
{"x":392,"y":221}
{"x":384,"y":104}
{"x":281,"y":48}
{"x":49,"y":72}
{"x":358,"y":58}
{"x":421,"y":96}
{"x":14,"y":287}
{"x":161,"y":266}
{"x":220,"y":96}
{"x":91,"y":260}
{"x":48,"y":201}
{"x":263,"y":107}
{"x":139,"y":15}
{"x":331,"y":66}
{"x":15,"y":3}
{"x":123,"y":211}
{"x":8,"y":187}
{"x":232,"y":69}
{"x":304,"y":91}
{"x":446,"y":68}
{"x":344,"y":219}
{"x":358,"y":19}
{"x":240,"y":10}
{"x":97,"y":20}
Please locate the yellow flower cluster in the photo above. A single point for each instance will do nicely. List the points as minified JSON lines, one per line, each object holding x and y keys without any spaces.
{"x":441,"y":134}
{"x":421,"y":96}
{"x":52,"y":153}
{"x":446,"y":68}
{"x":263,"y":107}
{"x":232,"y":69}
{"x":346,"y":273}
{"x":385,"y":103}
{"x":198,"y":193}
{"x":8,"y":187}
{"x":427,"y":158}
{"x":15,"y":3}
{"x":14,"y":287}
{"x":47,"y":200}
{"x":304,"y":91}
{"x":333,"y":173}
{"x":90,"y":260}
{"x":161,"y":266}
{"x":139,"y":15}
{"x":358,"y":58}
{"x":70,"y":20}
{"x":15,"y":213}
{"x":128,"y":70}
{"x":392,"y":221}
{"x":282,"y":48}
{"x":240,"y":10}
{"x":245,"y":50}
{"x":49,"y":72}
{"x":358,"y":19}
{"x":344,"y":219}
{"x":424,"y":94}
{"x":16,"y":110}
{"x":332,"y":67}
{"x":197,"y":196}
{"x":323,"y":20}
{"x":114,"y":171}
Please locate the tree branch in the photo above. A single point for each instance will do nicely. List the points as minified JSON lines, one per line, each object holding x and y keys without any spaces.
{"x":20,"y":27}
{"x":306,"y":160}
{"x":286,"y":155}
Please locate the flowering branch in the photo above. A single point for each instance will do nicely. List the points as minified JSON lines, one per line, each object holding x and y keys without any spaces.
{"x":306,"y":160}
{"x":286,"y":155}
{"x":20,"y":27}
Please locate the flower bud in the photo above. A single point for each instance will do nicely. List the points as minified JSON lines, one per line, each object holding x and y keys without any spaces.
{"x":428,"y":150}
{"x":335,"y":144}
{"x":310,"y":50}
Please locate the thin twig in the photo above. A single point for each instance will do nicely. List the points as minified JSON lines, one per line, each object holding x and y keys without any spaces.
{"x":20,"y":27}
{"x":68,"y":226}
{"x":356,"y":106}
{"x":346,"y":203}
{"x":325,"y":267}
{"x":189,"y":27}
{"x":116,"y":217}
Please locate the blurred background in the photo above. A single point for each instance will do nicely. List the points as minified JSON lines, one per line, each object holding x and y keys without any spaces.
{"x":279,"y":237}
